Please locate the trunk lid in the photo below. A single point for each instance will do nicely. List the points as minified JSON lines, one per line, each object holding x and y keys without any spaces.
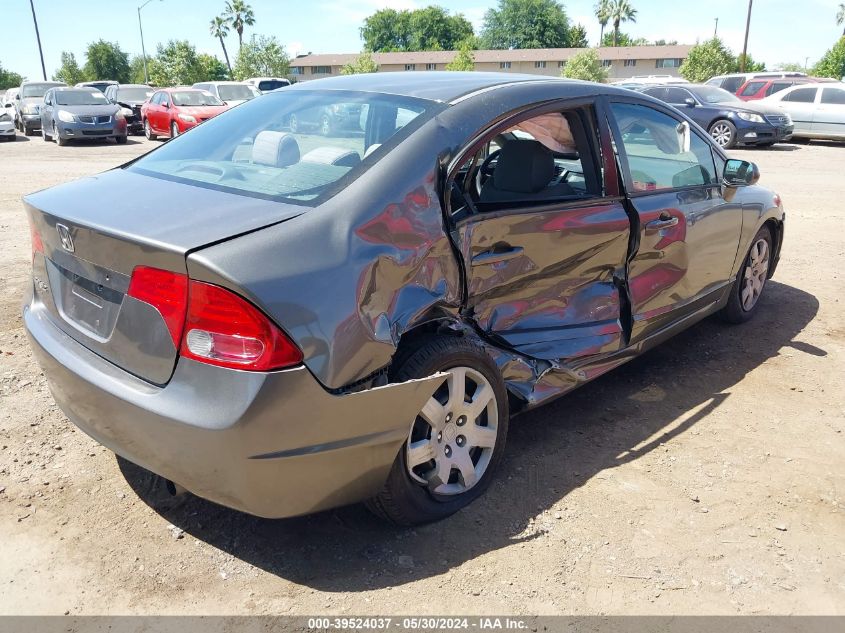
{"x":95,"y":231}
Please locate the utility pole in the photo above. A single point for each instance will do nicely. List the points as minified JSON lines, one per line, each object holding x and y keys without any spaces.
{"x":38,"y":37}
{"x":745,"y":44}
{"x":716,"y":30}
{"x":143,"y":50}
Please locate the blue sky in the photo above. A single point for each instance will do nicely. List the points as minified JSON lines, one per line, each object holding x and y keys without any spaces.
{"x":781,"y":30}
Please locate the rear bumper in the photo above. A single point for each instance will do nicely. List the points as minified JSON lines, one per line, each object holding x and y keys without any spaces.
{"x":270,"y":444}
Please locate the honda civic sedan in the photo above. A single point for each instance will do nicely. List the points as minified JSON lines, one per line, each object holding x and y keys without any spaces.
{"x":284,"y":323}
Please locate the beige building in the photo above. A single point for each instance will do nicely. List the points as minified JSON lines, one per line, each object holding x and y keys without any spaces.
{"x":622,"y":62}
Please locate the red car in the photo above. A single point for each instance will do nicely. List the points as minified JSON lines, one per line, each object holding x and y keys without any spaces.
{"x":172,"y":111}
{"x":762,"y":87}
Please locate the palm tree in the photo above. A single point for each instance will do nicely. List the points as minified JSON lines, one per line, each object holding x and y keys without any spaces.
{"x":219,"y":28}
{"x":621,"y":11}
{"x":603,"y":14}
{"x":840,"y":16}
{"x":239,"y":14}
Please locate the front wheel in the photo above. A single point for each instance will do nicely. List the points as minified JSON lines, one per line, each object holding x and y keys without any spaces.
{"x":751,"y":280}
{"x":61,"y":142}
{"x":174,"y":130}
{"x":457,"y":439}
{"x":120,"y":140}
{"x":724,"y":133}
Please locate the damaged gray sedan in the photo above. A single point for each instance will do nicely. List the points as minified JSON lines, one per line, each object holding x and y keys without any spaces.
{"x":286,"y":321}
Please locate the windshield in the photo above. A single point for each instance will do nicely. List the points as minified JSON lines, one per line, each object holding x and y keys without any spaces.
{"x":711,"y":94}
{"x":296,"y":146}
{"x":80,"y":98}
{"x":272,"y":84}
{"x":235,"y":92}
{"x":35,"y":90}
{"x":134,"y":94}
{"x":194,"y":98}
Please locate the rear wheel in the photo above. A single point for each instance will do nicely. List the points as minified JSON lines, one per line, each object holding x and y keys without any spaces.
{"x":120,"y":140}
{"x":148,"y":131}
{"x":456,"y":441}
{"x":724,"y":133}
{"x":751,"y":280}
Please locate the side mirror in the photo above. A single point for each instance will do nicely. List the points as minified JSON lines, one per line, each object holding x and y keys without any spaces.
{"x":7,"y":105}
{"x":740,"y":173}
{"x":690,"y":102}
{"x":166,"y":105}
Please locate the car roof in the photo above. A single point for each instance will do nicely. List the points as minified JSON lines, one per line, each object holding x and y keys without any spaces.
{"x":442,"y":86}
{"x":137,"y":86}
{"x":43,"y":83}
{"x":221,"y":83}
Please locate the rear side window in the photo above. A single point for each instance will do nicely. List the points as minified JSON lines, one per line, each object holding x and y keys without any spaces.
{"x":777,"y":86}
{"x":802,"y":95}
{"x":732,"y":84}
{"x":663,"y":153}
{"x":833,"y":96}
{"x":297,"y":146}
{"x":752,"y":88}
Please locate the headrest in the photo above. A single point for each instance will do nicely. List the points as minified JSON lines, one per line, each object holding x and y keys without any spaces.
{"x":277,"y":149}
{"x":524,"y":166}
{"x":332,"y":156}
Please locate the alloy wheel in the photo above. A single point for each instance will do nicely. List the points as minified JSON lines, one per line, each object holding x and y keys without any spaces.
{"x":453,"y":437}
{"x":755,"y":274}
{"x":721,"y":133}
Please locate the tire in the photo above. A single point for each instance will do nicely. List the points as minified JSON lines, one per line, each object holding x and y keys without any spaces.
{"x":148,"y":131}
{"x":325,"y":125}
{"x":750,"y":280}
{"x":120,"y":140}
{"x":61,"y":142}
{"x":27,"y":131}
{"x":418,"y":494}
{"x":174,"y":129}
{"x":47,"y":138}
{"x":293,"y":124}
{"x":724,"y":133}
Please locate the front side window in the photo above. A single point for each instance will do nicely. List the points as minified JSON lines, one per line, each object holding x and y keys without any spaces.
{"x":677,"y":96}
{"x":833,"y":96}
{"x":663,"y":153}
{"x":802,"y":95}
{"x":777,"y":86}
{"x":297,"y":146}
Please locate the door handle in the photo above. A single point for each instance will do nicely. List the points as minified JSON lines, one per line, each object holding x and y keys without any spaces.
{"x":662,"y":223}
{"x":495,"y":256}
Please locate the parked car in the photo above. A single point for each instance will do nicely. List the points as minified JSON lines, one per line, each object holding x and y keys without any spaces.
{"x":282,"y":326}
{"x":231,"y":93}
{"x":173,"y":111}
{"x":28,"y":104}
{"x":130,"y":97}
{"x":734,"y":81}
{"x":7,"y":114}
{"x":80,"y":114}
{"x":761,"y":88}
{"x":100,"y":85}
{"x":268,"y":84}
{"x":649,"y":80}
{"x":818,"y":111}
{"x":728,"y":120}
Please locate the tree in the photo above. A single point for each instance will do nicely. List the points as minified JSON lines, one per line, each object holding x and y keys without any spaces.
{"x":662,"y":42}
{"x":219,"y":28}
{"x":707,"y":60}
{"x":106,"y":60}
{"x":621,"y":11}
{"x":136,"y":70}
{"x":175,"y":64}
{"x":428,"y":29}
{"x":464,"y":58}
{"x":209,"y":68}
{"x":751,"y":66}
{"x":69,"y":72}
{"x":578,"y":37}
{"x":623,"y":39}
{"x":840,"y":17}
{"x":9,"y":79}
{"x":364,"y":63}
{"x":526,"y":24}
{"x":791,"y":67}
{"x":602,"y":9}
{"x":238,"y":13}
{"x":832,"y":64}
{"x":262,"y":56}
{"x":585,"y":65}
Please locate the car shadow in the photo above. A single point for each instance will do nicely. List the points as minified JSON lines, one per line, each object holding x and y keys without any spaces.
{"x":778,"y":147}
{"x":551,"y":451}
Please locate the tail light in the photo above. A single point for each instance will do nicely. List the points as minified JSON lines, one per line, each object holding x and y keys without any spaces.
{"x":215,"y":326}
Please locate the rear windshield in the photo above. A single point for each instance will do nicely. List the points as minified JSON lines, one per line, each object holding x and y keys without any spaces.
{"x":235,"y":92}
{"x":80,"y":98}
{"x":294,"y":146}
{"x":134,"y":94}
{"x":272,"y":84}
{"x":194,"y":98}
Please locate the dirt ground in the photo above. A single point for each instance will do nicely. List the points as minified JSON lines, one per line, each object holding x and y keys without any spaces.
{"x":706,"y":477}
